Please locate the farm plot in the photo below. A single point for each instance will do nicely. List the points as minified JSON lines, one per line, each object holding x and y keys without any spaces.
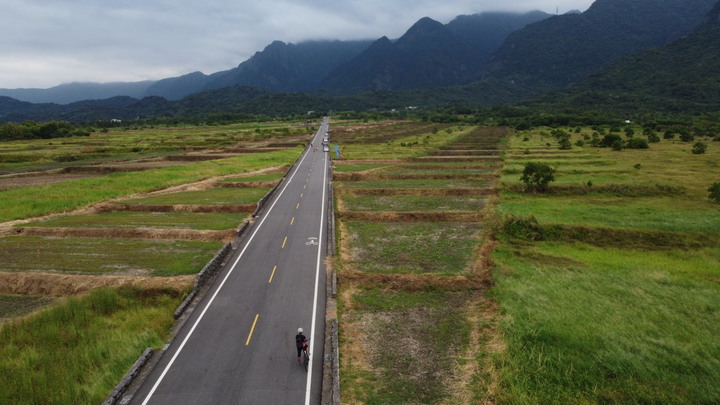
{"x":413,"y":248}
{"x":137,"y":257}
{"x":412,"y":272}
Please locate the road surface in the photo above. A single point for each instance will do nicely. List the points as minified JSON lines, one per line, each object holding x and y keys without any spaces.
{"x":238,"y":346}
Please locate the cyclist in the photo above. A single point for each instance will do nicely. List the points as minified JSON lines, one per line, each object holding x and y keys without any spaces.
{"x":301,"y":343}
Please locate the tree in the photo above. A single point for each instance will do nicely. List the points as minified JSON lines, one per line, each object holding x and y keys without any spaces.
{"x":537,"y":176}
{"x":609,"y":140}
{"x":715,"y":192}
{"x":637,"y":143}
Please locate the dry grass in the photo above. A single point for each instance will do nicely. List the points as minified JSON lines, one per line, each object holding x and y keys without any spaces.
{"x":59,"y":285}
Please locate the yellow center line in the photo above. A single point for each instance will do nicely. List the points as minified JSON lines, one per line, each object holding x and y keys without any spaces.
{"x":301,"y":195}
{"x":272,"y":274}
{"x":304,"y":186}
{"x":285,"y":240}
{"x":292,"y":221}
{"x":247,"y":342}
{"x":297,"y":206}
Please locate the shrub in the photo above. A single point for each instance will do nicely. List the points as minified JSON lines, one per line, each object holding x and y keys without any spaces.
{"x":699,"y":148}
{"x":537,"y":176}
{"x":617,"y":145}
{"x":637,"y":143}
{"x":608,"y":141}
{"x":686,"y":136}
{"x":715,"y":192}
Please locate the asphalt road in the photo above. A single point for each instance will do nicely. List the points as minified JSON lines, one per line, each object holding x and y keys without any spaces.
{"x":238,"y":346}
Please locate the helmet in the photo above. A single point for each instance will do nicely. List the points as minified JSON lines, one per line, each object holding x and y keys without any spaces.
{"x":300,"y":330}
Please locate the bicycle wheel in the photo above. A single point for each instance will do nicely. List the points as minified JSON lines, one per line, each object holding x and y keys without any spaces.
{"x":306,"y":360}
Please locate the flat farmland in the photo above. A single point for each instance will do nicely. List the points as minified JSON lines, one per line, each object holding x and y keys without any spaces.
{"x":101,"y":238}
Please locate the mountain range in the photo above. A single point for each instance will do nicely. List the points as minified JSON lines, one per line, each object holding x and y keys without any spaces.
{"x":666,"y":49}
{"x":287,"y":67}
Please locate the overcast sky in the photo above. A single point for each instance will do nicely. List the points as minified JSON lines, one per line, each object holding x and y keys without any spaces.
{"x":44,"y":43}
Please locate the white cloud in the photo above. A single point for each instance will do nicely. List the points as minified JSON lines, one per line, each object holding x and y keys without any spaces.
{"x":44,"y":43}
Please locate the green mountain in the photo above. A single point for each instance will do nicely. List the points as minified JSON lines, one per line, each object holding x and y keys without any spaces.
{"x":681,"y":77}
{"x":566,"y":49}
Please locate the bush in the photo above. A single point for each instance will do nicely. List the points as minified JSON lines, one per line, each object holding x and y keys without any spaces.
{"x":537,"y":176}
{"x":686,"y":136}
{"x":699,"y":148}
{"x":715,"y":192}
{"x":637,"y":143}
{"x":608,"y":141}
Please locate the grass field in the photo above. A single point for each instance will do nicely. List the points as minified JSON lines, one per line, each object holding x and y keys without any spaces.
{"x":630,"y":323}
{"x":214,"y":196}
{"x":40,"y":200}
{"x":415,"y":203}
{"x":77,"y":351}
{"x":416,"y":248}
{"x":104,"y":255}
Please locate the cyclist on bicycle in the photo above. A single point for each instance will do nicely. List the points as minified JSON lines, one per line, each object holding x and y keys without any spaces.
{"x":301,"y":343}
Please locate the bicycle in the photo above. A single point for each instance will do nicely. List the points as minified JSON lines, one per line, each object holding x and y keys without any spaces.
{"x":305,"y":359}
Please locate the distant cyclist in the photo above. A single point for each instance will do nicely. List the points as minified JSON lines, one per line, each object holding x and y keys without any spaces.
{"x":301,"y":343}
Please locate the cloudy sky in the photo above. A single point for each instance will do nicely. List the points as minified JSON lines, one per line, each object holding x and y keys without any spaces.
{"x":44,"y":43}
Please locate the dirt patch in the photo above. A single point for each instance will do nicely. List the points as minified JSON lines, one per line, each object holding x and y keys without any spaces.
{"x":394,"y":216}
{"x":136,"y":233}
{"x":59,"y":285}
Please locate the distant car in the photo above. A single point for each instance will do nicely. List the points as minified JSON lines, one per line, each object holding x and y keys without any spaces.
{"x":326,"y":148}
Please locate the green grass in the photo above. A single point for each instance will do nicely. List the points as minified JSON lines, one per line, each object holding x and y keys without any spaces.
{"x":414,"y":203}
{"x":358,"y":167}
{"x":415,"y":248}
{"x":590,"y":325}
{"x":77,"y":351}
{"x":104,"y":255}
{"x":660,"y":213}
{"x":29,"y":202}
{"x":417,"y":337}
{"x":154,"y":220}
{"x":215,"y":196}
{"x":603,"y":322}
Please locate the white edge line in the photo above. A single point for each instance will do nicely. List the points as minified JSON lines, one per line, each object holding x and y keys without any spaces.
{"x":317,"y":280}
{"x":202,"y":314}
